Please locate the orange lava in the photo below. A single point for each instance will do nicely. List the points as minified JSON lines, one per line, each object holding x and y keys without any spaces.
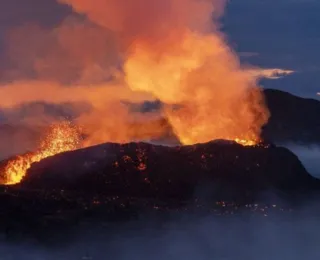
{"x":61,"y":137}
{"x":245,"y":142}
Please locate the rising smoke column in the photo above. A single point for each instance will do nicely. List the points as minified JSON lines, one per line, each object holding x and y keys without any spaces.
{"x":173,"y":50}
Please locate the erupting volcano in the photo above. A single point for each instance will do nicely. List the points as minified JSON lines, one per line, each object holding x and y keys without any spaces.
{"x":128,"y":122}
{"x":171,"y":51}
{"x":61,"y":137}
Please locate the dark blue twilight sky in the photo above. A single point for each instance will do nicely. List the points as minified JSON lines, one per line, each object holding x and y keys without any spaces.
{"x":282,"y":33}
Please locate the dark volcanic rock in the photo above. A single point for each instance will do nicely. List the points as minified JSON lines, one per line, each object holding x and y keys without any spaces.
{"x":224,"y":170}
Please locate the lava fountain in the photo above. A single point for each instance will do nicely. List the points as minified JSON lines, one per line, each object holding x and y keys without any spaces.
{"x":61,"y":137}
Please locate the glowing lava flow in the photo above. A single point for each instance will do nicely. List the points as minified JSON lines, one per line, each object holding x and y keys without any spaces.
{"x":61,"y":137}
{"x":246,"y":142}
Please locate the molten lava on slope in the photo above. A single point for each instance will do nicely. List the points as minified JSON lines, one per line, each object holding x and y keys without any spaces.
{"x":60,"y":138}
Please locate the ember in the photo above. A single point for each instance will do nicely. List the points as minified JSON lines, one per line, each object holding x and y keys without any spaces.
{"x":61,"y":137}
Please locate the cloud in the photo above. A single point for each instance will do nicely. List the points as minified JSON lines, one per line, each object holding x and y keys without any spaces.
{"x":270,"y":73}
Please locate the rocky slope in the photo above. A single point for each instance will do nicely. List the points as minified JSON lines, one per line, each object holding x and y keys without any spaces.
{"x":227,"y":170}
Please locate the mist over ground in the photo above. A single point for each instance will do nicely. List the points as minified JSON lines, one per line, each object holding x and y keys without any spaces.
{"x":279,"y":236}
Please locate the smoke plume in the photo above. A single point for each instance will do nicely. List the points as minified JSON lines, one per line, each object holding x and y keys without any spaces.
{"x":116,"y":51}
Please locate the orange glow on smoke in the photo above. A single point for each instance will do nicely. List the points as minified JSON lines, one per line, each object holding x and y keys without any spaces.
{"x":61,"y":137}
{"x":205,"y":91}
{"x":174,"y":52}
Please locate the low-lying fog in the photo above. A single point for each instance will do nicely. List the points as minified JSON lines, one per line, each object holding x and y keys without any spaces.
{"x":207,"y":238}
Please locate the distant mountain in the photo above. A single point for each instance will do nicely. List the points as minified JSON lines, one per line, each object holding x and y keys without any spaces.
{"x":293,"y":119}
